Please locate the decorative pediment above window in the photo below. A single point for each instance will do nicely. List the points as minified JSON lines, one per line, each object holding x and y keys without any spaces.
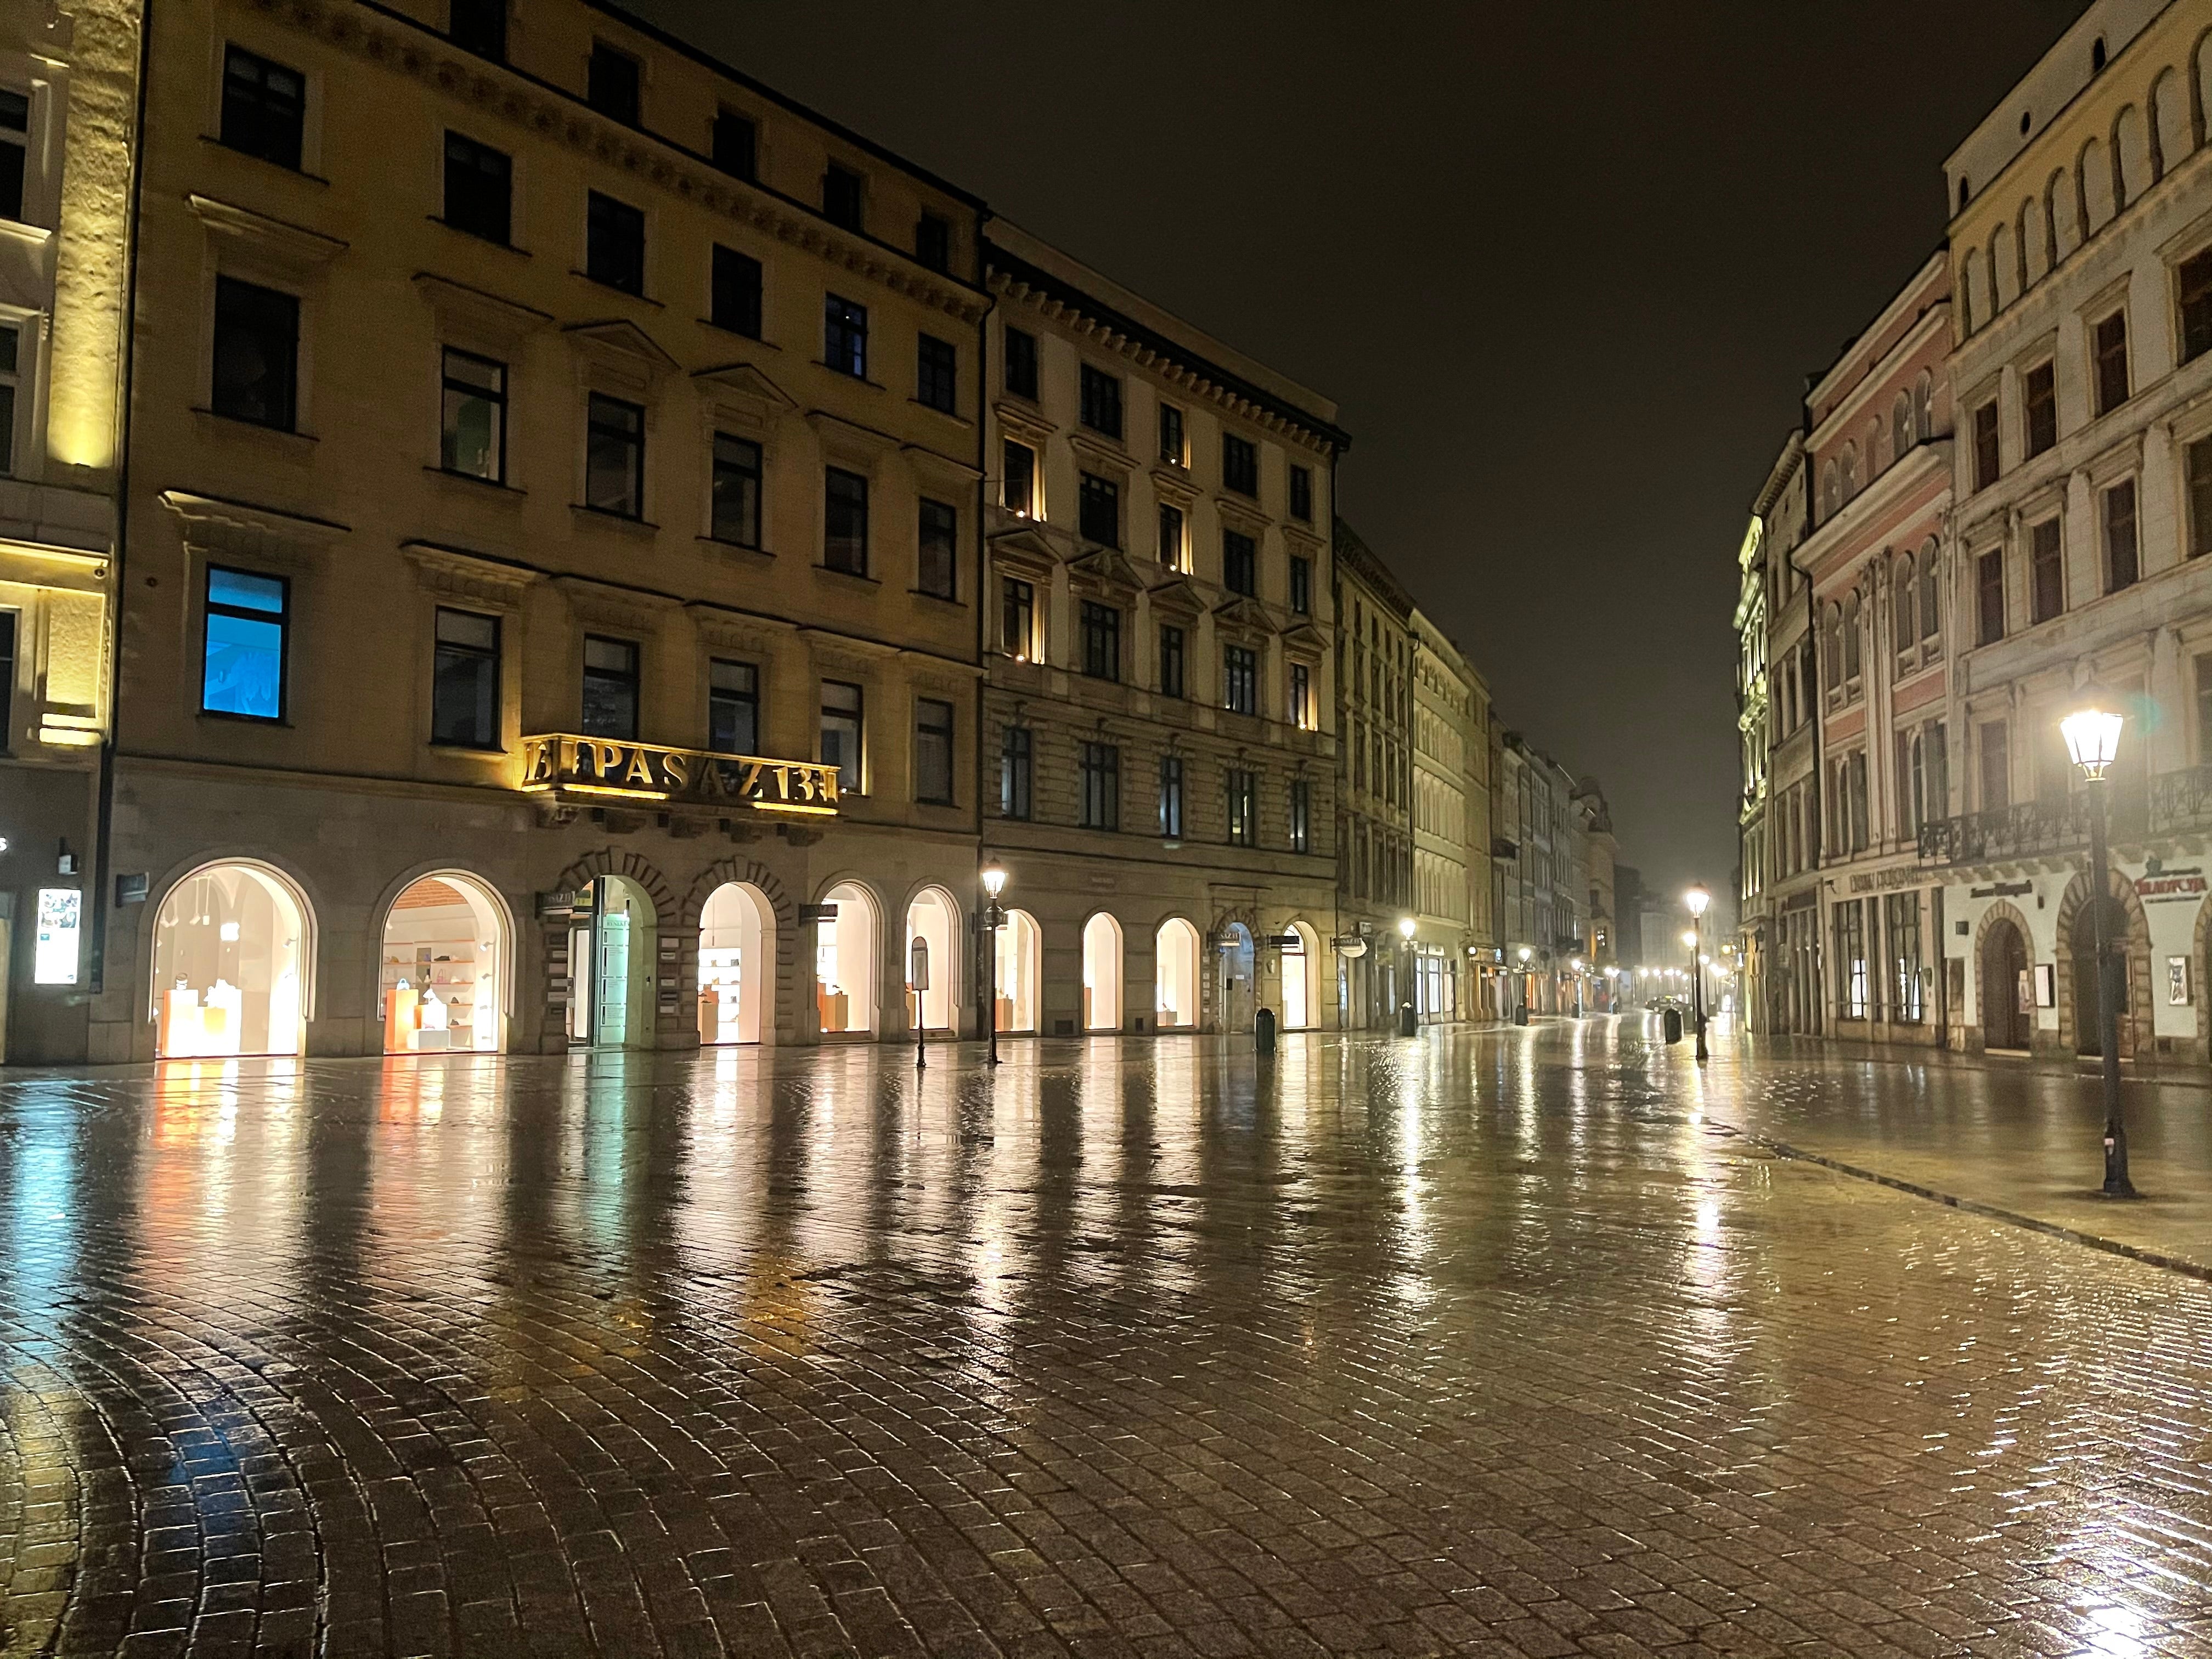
{"x":476,"y":315}
{"x":1175,"y":486}
{"x":270,"y":243}
{"x":232,"y":529}
{"x":1105,"y":569}
{"x":1302,"y":541}
{"x":1026,"y":552}
{"x":1241,"y":513}
{"x":740,"y":393}
{"x":1303,"y":637}
{"x":608,"y":606}
{"x":1244,"y":616}
{"x":619,"y":354}
{"x":1024,"y":424}
{"x":1100,"y":456}
{"x":845,"y":656}
{"x":451,"y":573}
{"x":935,"y":466}
{"x":1178,"y":600}
{"x":722,"y":630}
{"x":849,"y":442}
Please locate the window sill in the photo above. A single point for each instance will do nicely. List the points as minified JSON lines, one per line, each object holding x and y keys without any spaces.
{"x":288,"y":171}
{"x":846,"y":576}
{"x":953,"y":416}
{"x":643,"y":528}
{"x":949,"y":601}
{"x":760,"y":340}
{"x":478,"y":236}
{"x":627,"y":292}
{"x":847,"y":374}
{"x":738,"y":549}
{"x":279,"y":723}
{"x":479,"y":751}
{"x":490,"y":489}
{"x":299,"y":446}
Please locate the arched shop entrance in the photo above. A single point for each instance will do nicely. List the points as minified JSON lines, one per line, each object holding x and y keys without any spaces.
{"x":934,"y":920}
{"x":2087,"y":1028}
{"x":2006,"y":998}
{"x":232,"y":953}
{"x":737,"y":964}
{"x":844,"y":963}
{"x":1101,"y":973}
{"x":617,"y":944}
{"x":442,"y":973}
{"x":1175,"y":975}
{"x":1298,"y":959}
{"x":1236,"y":978}
{"x":1020,"y":963}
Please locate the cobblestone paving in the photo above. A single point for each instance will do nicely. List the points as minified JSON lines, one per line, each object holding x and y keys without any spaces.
{"x":1485,"y":1344}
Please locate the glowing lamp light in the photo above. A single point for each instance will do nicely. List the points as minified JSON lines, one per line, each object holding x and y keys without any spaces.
{"x":1575,"y":962}
{"x":1689,"y":937}
{"x":995,"y":877}
{"x":1406,"y":924}
{"x":1697,"y":898}
{"x":1524,"y":953}
{"x":2092,"y":737}
{"x":227,"y":932}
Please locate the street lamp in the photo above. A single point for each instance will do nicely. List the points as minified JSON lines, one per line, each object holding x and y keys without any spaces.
{"x":1697,"y":899}
{"x":1408,"y":1019}
{"x":994,"y":918}
{"x":1523,"y":976}
{"x":2093,"y":740}
{"x":1575,"y":964}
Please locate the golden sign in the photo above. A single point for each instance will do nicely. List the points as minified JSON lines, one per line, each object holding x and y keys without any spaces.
{"x":563,"y":763}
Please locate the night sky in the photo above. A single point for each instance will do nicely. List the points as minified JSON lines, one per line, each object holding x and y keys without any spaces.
{"x":1562,"y":268}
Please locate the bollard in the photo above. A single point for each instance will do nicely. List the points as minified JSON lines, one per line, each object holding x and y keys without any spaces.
{"x":1263,"y":1030}
{"x":1521,"y":1015}
{"x":1408,"y":1025}
{"x":1674,"y":1022}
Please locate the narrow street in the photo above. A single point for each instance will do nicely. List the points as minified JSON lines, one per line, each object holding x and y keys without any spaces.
{"x":1494,"y":1342}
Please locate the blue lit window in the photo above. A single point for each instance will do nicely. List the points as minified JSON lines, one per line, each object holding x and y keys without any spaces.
{"x":248,"y":624}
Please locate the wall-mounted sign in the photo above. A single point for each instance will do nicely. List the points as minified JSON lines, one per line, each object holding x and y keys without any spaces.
{"x":1350,"y":947}
{"x":2046,"y":985}
{"x":130,"y":890}
{"x":817,"y":914}
{"x":61,"y":922}
{"x":2177,"y":979}
{"x":2001,"y":889}
{"x":597,"y":768}
{"x":2168,"y":890}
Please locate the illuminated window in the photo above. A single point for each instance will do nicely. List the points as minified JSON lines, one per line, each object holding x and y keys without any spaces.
{"x":243,"y":664}
{"x":1171,"y":660}
{"x":473,"y":438}
{"x":1301,"y":816}
{"x":1242,"y":790}
{"x":1301,"y":701}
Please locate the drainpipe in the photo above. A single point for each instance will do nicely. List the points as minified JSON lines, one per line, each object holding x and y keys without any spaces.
{"x":983,"y":984}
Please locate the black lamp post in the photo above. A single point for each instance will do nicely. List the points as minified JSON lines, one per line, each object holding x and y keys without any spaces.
{"x":2093,"y":740}
{"x":1698,"y":898}
{"x":994,"y":918}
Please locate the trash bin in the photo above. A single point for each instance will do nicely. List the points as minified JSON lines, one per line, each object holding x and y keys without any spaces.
{"x":1674,"y":1022}
{"x":1263,"y":1030}
{"x":1408,"y":1025}
{"x":1521,"y":1015}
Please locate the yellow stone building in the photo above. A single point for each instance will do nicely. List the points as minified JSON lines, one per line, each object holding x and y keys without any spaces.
{"x":550,"y":603}
{"x":69,"y":90}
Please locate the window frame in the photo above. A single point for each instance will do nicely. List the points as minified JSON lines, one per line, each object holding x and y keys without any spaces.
{"x":1985,"y":447}
{"x":238,"y":287}
{"x":830,"y":541}
{"x":859,"y":716}
{"x":949,"y":592}
{"x":1171,"y":798}
{"x":1240,"y":459}
{"x":943,"y":733}
{"x":467,"y":166}
{"x":493,"y":658}
{"x":1240,"y":671}
{"x":604,"y":215}
{"x":1092,"y":489}
{"x":2107,"y":497}
{"x":1989,"y":596}
{"x":486,"y":36}
{"x":497,"y":398}
{"x":633,"y":677}
{"x":2037,"y":436}
{"x":1301,"y":584}
{"x":1098,"y":795}
{"x":293,"y":142}
{"x":1099,"y":631}
{"x":281,"y":619}
{"x":1099,"y":400}
{"x":841,"y":185}
{"x":2044,"y":561}
{"x":1301,"y":489}
{"x":1174,"y":649}
{"x":716,"y":466}
{"x":2102,"y":357}
{"x":594,"y":429}
{"x":1301,"y":815}
{"x":936,"y":374}
{"x":731,"y":121}
{"x":1245,"y":563}
{"x":1017,"y":598}
{"x":1240,"y":788}
{"x":1017,"y":774}
{"x":845,"y":323}
{"x":748,"y":697}
{"x":1008,"y":448}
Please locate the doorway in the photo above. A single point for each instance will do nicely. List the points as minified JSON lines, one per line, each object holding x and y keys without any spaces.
{"x":1236,"y":978}
{"x":933,"y":920}
{"x":1101,"y":973}
{"x":844,"y":963}
{"x":2007,"y":997}
{"x":1174,"y":975}
{"x":1299,"y":952}
{"x":2087,"y":1032}
{"x":737,"y":964}
{"x":442,"y":975}
{"x":230,"y":965}
{"x":1019,"y":955}
{"x":616,"y":944}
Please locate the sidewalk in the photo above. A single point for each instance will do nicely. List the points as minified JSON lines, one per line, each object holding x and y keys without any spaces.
{"x":2016,"y":1137}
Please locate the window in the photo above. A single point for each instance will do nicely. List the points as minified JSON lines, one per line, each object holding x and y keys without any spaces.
{"x":845,"y":521}
{"x":1931,"y":593}
{"x":843,"y":189}
{"x":11,"y":343}
{"x":1239,"y":676}
{"x":479,"y":189}
{"x":2204,"y":711}
{"x":737,"y":144}
{"x":614,"y":457}
{"x":1100,"y":804}
{"x":1018,"y":489}
{"x":932,"y":751}
{"x":1018,"y":619}
{"x":2196,"y":282}
{"x":841,"y":732}
{"x":1301,"y":584}
{"x":610,"y":682}
{"x":1171,"y":660}
{"x":265,"y":108}
{"x":1855,"y":787}
{"x":2109,"y":343}
{"x":1171,"y":797}
{"x":1240,"y":465}
{"x":1171,"y":446}
{"x":845,"y":337}
{"x":1852,"y":987}
{"x":8,"y":679}
{"x":1242,"y":790}
{"x":1988,"y":594}
{"x":1016,"y":772}
{"x":465,"y":681}
{"x":1172,"y":537}
{"x":1302,"y":494}
{"x":733,"y":297}
{"x":612,"y":85}
{"x":1101,"y":404}
{"x":736,"y":491}
{"x":249,"y":625}
{"x":2197,"y":465}
{"x":732,"y":707}
{"x":1985,"y":445}
{"x":15,"y":142}
{"x":1239,"y":563}
{"x":2042,"y":405}
{"x":1302,"y":702}
{"x":473,"y":436}
{"x":1021,"y":363}
{"x":2046,"y":571}
{"x":935,"y":373}
{"x":257,"y":354}
{"x":1098,"y":510}
{"x":614,"y":243}
{"x":480,"y":27}
{"x":1301,"y":816}
{"x":1903,"y":625}
{"x":933,"y":242}
{"x":1992,"y":741}
{"x":937,"y":572}
{"x":1102,"y":641}
{"x":2121,"y":562}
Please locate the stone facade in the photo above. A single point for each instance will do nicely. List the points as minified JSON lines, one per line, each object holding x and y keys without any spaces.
{"x":1374,"y":874}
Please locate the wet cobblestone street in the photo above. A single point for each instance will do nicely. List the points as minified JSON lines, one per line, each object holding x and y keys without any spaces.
{"x":1489,"y":1343}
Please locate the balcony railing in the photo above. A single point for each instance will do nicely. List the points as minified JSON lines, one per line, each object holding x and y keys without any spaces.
{"x":2176,"y":803}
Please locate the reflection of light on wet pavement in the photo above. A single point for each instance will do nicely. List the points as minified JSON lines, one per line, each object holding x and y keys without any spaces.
{"x":1382,"y":1345}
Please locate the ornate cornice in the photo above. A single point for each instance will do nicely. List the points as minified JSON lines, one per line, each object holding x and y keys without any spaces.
{"x":455,"y":573}
{"x":212,"y":524}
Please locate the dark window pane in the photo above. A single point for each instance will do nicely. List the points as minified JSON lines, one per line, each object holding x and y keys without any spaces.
{"x":936,"y":372}
{"x":15,"y":124}
{"x":1239,"y":563}
{"x":735,"y":300}
{"x":1017,"y":618}
{"x":1102,"y":641}
{"x":1986,"y":446}
{"x":845,"y":521}
{"x":465,"y":681}
{"x":2047,"y":568}
{"x":938,"y":572}
{"x":1302,"y":493}
{"x":1017,"y":764}
{"x":1021,"y":363}
{"x":2195,"y":283}
{"x":1019,"y":491}
{"x":1170,"y":661}
{"x":932,"y":751}
{"x":1172,"y":537}
{"x":1100,"y":768}
{"x":1101,"y":402}
{"x":737,"y":144}
{"x":613,"y":252}
{"x":842,"y":194}
{"x":841,"y":732}
{"x":474,"y":436}
{"x":1241,"y":679}
{"x":1240,"y":465}
{"x":264,"y":107}
{"x":737,"y":490}
{"x":613,"y":85}
{"x":614,"y":466}
{"x":1301,"y":584}
{"x":257,"y":346}
{"x":2112,"y":352}
{"x":933,"y":242}
{"x":733,"y":708}
{"x":2197,"y":465}
{"x":2041,"y":398}
{"x":242,"y":668}
{"x":2121,"y":564}
{"x":8,"y":678}
{"x":610,"y":699}
{"x":479,"y":189}
{"x":1988,"y":580}
{"x":480,"y":27}
{"x":1098,"y":510}
{"x":1171,"y":449}
{"x":845,"y":337}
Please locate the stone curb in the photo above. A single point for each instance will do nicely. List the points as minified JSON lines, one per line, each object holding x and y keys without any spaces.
{"x":2033,"y":1224}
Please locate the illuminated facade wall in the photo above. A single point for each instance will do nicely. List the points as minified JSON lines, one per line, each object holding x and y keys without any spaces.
{"x":68,"y":99}
{"x":1374,"y":780}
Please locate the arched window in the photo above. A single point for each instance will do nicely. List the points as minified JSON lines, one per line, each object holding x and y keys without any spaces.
{"x":1831,"y":658}
{"x":1850,"y":471}
{"x":1963,"y":193}
{"x":233,"y":955}
{"x":1923,"y":405}
{"x":1905,"y":631}
{"x":1900,"y":425}
{"x":1931,"y":613}
{"x":1830,"y":490}
{"x":1851,"y":631}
